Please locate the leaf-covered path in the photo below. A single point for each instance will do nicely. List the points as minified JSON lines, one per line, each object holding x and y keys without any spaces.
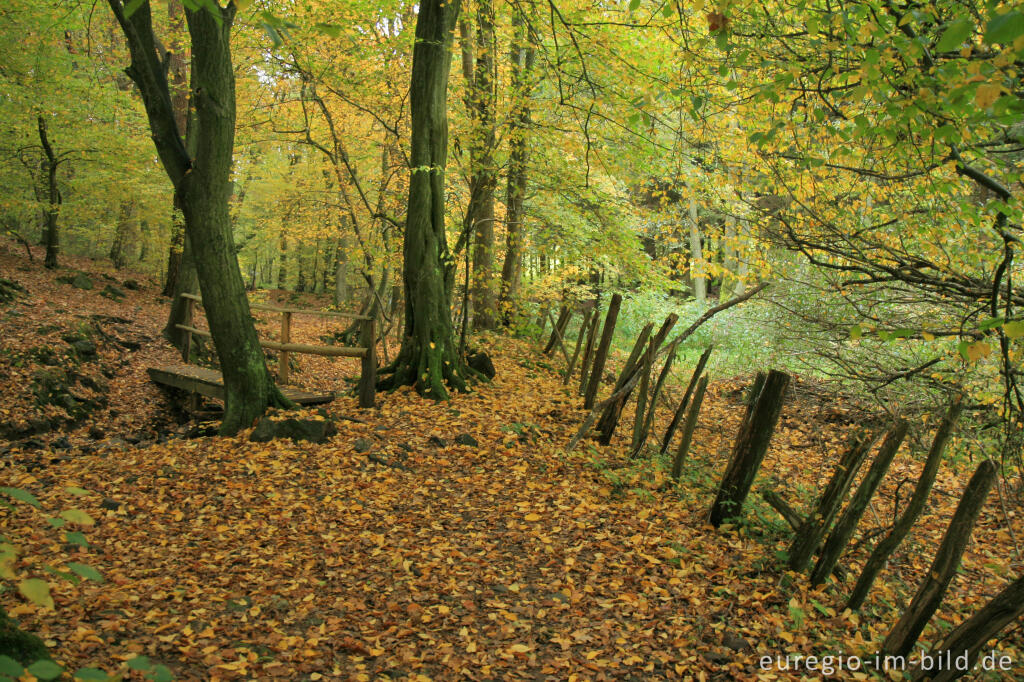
{"x":453,"y":540}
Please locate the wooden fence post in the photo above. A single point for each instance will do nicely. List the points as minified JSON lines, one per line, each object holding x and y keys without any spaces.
{"x":588,"y":353}
{"x":688,"y":428}
{"x":819,"y":519}
{"x":947,"y":560}
{"x":888,"y":544}
{"x":847,"y":523}
{"x":283,"y":355}
{"x":603,"y":347}
{"x":368,"y":378}
{"x":579,"y":344}
{"x":751,"y":445}
{"x":694,"y":378}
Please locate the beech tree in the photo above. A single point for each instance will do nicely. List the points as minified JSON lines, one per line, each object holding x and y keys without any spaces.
{"x":203,"y":187}
{"x":429,"y":359}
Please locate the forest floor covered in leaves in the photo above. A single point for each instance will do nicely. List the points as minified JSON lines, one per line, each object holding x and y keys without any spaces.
{"x":429,"y":540}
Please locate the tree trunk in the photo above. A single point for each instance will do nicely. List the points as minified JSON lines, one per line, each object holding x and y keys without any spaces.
{"x":177,"y":71}
{"x":429,"y":358}
{"x":341,"y":291}
{"x":914,"y":508}
{"x":282,"y":271}
{"x":522,"y":59}
{"x":947,"y":560}
{"x":700,"y":282}
{"x":123,"y":236}
{"x":480,"y":102}
{"x":203,"y":185}
{"x":53,"y":198}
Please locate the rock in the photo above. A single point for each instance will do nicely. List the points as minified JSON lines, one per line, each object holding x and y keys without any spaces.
{"x":131,"y":285}
{"x":113,"y":293}
{"x":93,"y":383}
{"x":81,"y":281}
{"x":108,"y":503}
{"x":96,"y":433}
{"x":716,"y":658}
{"x":61,"y":443}
{"x":437,"y":442}
{"x":481,"y":362}
{"x":313,"y":430}
{"x":361,"y":445}
{"x":9,"y":290}
{"x":85,"y":349}
{"x":735,"y":642}
{"x":466,"y":439}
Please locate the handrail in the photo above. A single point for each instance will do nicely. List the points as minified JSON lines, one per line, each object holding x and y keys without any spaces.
{"x":367,"y":336}
{"x":278,"y":309}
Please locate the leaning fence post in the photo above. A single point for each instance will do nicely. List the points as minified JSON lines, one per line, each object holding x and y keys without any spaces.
{"x":368,"y":378}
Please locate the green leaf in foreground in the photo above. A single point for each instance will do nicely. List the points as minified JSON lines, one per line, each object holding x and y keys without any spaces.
{"x":46,"y":670}
{"x":85,"y":571}
{"x":9,"y":666}
{"x":21,"y":495}
{"x":955,"y":34}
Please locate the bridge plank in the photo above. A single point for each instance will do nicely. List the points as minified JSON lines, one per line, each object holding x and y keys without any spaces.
{"x":208,"y":382}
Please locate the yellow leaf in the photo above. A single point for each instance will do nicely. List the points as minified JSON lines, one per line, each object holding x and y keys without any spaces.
{"x":77,"y":516}
{"x":987,"y":94}
{"x":519,"y":648}
{"x":978,"y":350}
{"x":471,"y":647}
{"x":36,"y":591}
{"x":927,"y":337}
{"x":532,"y":517}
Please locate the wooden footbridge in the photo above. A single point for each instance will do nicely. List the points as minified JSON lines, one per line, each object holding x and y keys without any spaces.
{"x":210,"y":383}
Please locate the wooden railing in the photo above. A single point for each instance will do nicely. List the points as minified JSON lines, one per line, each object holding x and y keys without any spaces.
{"x":366,"y":352}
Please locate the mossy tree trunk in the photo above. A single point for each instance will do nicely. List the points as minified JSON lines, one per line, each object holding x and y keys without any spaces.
{"x":429,"y":359}
{"x":203,"y":187}
{"x":51,"y":234}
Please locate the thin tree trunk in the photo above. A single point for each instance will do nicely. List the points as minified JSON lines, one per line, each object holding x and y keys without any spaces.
{"x":177,"y":73}
{"x":480,"y":101}
{"x":700,"y":282}
{"x":52,"y":211}
{"x":522,"y":58}
{"x":123,"y":233}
